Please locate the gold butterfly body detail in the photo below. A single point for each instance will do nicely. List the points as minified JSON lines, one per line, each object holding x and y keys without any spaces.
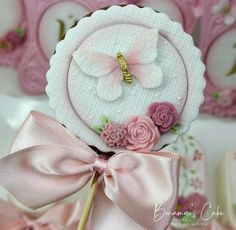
{"x":124,"y":68}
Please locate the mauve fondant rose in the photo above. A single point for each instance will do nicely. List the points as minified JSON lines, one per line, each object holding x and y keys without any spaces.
{"x":196,"y":203}
{"x":114,"y":135}
{"x":164,"y":115}
{"x":182,"y":207}
{"x":14,"y":38}
{"x":142,"y":133}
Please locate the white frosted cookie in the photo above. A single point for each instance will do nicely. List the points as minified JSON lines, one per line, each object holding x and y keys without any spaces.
{"x":126,"y":78}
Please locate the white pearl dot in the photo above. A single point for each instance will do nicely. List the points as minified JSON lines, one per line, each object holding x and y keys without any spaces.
{"x":90,"y":118}
{"x":165,"y":42}
{"x":90,"y":88}
{"x":157,"y":95}
{"x":118,"y":111}
{"x":174,"y":75}
{"x":74,"y":74}
{"x":179,"y":98}
{"x":160,"y":59}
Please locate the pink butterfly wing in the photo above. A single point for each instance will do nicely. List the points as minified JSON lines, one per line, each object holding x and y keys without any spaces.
{"x":103,"y":67}
{"x":144,"y":50}
{"x":149,"y":75}
{"x":109,"y":87}
{"x":95,"y":64}
{"x":141,"y":60}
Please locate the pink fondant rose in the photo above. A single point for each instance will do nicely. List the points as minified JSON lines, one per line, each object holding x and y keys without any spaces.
{"x":164,"y":115}
{"x":142,"y":133}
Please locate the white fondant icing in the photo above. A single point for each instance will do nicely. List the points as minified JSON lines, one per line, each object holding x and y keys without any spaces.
{"x":64,"y":13}
{"x":75,"y":103}
{"x":220,"y":60}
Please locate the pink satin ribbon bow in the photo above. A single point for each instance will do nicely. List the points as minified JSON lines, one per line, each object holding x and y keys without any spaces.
{"x":48,"y":163}
{"x":58,"y":217}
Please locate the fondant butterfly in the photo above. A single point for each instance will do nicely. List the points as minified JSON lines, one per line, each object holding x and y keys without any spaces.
{"x":136,"y":62}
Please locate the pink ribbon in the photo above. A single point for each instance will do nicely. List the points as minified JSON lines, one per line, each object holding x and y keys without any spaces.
{"x":48,"y":163}
{"x":59,"y":217}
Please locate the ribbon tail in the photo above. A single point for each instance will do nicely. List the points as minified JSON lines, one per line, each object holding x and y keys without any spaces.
{"x":106,"y":214}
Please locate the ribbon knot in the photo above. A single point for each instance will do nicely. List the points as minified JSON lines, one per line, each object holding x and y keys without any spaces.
{"x":100,"y":165}
{"x":48,"y":163}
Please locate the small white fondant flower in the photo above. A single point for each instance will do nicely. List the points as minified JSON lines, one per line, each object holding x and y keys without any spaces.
{"x":140,"y":61}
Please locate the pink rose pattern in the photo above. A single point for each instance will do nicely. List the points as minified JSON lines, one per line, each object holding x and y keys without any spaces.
{"x":164,"y":115}
{"x":194,"y":203}
{"x":141,"y":133}
{"x":198,"y":156}
{"x":197,"y":183}
{"x":12,"y":40}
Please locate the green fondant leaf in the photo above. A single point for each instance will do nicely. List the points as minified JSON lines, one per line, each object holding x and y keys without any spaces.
{"x":175,"y":128}
{"x":21,"y":32}
{"x":189,"y":218}
{"x":215,"y":95}
{"x":105,"y":120}
{"x":97,"y":129}
{"x":191,"y":144}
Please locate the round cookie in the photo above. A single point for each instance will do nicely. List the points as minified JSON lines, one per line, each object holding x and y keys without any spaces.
{"x":126,"y":78}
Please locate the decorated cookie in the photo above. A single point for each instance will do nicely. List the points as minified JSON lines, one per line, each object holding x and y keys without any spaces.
{"x":30,"y":30}
{"x":192,"y":201}
{"x":218,"y":44}
{"x":13,"y":31}
{"x":227,"y":196}
{"x":126,"y":78}
{"x":185,"y":12}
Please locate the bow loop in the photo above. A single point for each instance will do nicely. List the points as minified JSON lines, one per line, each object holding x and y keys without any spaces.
{"x":48,"y":163}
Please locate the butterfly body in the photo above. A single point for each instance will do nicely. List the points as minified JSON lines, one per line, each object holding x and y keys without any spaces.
{"x":124,"y":68}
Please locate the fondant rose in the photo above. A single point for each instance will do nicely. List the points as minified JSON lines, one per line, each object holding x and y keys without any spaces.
{"x":182,"y":207}
{"x":142,"y":133}
{"x":196,"y":203}
{"x":14,"y":38}
{"x":164,"y":115}
{"x":114,"y":135}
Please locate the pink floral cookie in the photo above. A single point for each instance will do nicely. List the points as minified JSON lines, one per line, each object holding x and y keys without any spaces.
{"x":218,"y":44}
{"x":30,"y":30}
{"x":182,"y":11}
{"x":192,"y":201}
{"x":126,"y":78}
